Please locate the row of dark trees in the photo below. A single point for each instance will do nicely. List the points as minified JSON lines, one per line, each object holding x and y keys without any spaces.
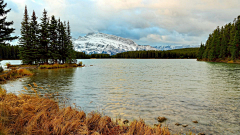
{"x":9,"y":52}
{"x":49,"y":40}
{"x":223,"y":43}
{"x":171,"y":54}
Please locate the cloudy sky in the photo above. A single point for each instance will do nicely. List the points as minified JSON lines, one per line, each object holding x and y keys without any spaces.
{"x":147,"y":22}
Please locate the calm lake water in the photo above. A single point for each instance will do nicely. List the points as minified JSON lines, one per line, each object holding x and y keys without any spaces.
{"x":180,"y":90}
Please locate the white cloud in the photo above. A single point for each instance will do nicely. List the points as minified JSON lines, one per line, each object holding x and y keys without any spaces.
{"x":177,"y":21}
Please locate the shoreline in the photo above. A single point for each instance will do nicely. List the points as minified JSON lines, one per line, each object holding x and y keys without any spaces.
{"x":222,"y":61}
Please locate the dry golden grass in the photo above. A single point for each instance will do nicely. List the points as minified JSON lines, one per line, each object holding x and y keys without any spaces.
{"x":14,"y":73}
{"x":54,"y":66}
{"x":33,"y":114}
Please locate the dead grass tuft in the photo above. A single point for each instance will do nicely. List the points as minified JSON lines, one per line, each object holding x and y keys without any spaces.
{"x":13,"y":74}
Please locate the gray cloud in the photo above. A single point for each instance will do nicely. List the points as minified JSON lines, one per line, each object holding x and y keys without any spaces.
{"x":152,"y":22}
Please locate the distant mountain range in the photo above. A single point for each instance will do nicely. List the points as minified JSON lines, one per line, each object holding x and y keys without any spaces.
{"x":98,"y":43}
{"x":172,"y":47}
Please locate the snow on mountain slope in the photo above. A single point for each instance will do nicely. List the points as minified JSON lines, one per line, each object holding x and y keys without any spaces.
{"x":172,"y":47}
{"x":97,"y":43}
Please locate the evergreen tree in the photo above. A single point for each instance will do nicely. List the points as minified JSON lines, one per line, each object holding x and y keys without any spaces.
{"x":5,"y":30}
{"x":53,"y":36}
{"x":34,"y":38}
{"x":200,"y":52}
{"x":25,"y":41}
{"x":70,"y":50}
{"x":223,"y":46}
{"x":44,"y":38}
{"x":237,"y":37}
{"x":233,"y":48}
{"x":62,"y":41}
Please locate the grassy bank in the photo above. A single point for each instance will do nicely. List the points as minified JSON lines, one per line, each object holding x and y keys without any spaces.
{"x":13,"y":74}
{"x":33,"y":114}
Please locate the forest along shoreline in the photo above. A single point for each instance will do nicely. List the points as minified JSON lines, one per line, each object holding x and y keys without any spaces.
{"x":223,"y":45}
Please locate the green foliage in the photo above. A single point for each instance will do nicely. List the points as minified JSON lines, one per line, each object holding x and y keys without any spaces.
{"x":25,"y":39}
{"x":222,"y":43}
{"x":9,"y":51}
{"x":5,"y":27}
{"x":82,"y":55}
{"x":48,"y":41}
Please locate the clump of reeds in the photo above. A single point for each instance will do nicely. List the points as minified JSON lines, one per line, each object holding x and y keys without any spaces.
{"x":14,"y":73}
{"x":33,"y":114}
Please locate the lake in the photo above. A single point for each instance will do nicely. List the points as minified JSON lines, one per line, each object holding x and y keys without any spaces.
{"x":182,"y":90}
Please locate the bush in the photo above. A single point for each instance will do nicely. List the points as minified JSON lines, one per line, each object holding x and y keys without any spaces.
{"x":80,"y":63}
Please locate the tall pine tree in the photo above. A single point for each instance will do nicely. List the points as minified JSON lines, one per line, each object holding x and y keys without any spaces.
{"x":5,"y":29}
{"x":34,"y":38}
{"x":25,"y":40}
{"x":44,"y":38}
{"x":53,"y":36}
{"x":70,"y":51}
{"x":236,"y":41}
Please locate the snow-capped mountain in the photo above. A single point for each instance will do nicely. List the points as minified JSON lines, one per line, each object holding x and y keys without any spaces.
{"x":172,"y":47}
{"x":97,"y":43}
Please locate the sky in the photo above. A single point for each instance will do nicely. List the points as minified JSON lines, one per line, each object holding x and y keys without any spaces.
{"x":146,"y":22}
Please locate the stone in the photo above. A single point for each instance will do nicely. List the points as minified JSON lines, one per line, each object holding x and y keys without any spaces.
{"x":161,"y":119}
{"x":195,"y":121}
{"x":184,"y":125}
{"x":177,"y":124}
{"x":125,"y":121}
{"x":1,"y":69}
{"x":158,"y":125}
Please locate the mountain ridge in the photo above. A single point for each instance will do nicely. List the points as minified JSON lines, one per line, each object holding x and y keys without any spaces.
{"x":100,"y":43}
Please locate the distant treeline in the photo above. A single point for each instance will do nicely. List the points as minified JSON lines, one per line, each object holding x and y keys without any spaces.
{"x":12,"y":52}
{"x":9,"y":52}
{"x":171,"y":54}
{"x":82,"y":55}
{"x":223,"y":43}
